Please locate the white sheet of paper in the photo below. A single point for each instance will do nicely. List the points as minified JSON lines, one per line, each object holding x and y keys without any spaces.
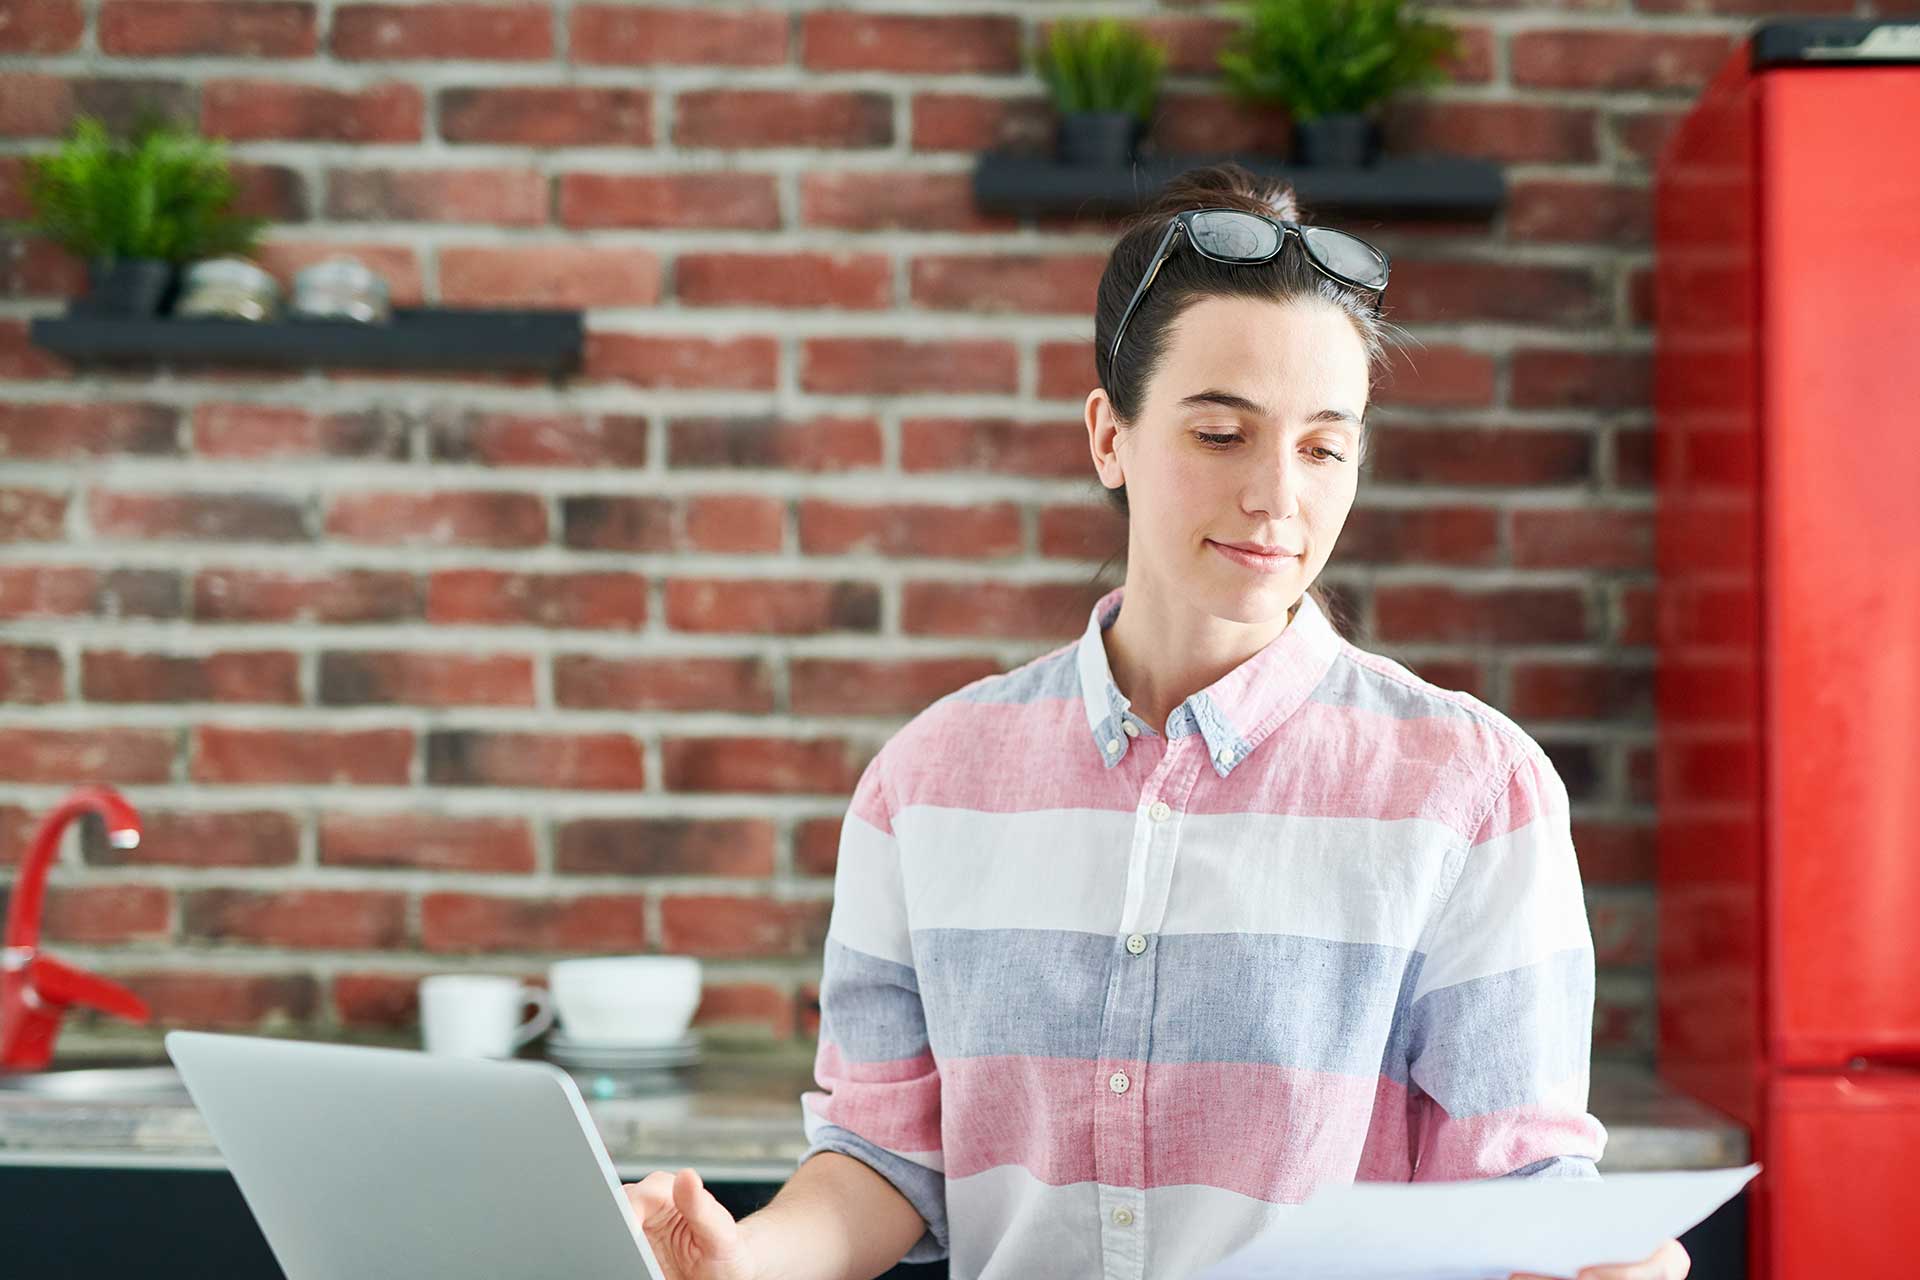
{"x":1481,"y":1230}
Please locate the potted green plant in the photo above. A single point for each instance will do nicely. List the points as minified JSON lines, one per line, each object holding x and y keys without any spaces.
{"x":1328,"y":62}
{"x":1104,"y":77}
{"x":135,"y":209}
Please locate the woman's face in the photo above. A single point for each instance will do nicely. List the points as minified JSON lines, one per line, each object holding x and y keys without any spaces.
{"x":1250,"y":433}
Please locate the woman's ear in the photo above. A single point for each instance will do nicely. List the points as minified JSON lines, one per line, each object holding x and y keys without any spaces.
{"x":1103,"y":438}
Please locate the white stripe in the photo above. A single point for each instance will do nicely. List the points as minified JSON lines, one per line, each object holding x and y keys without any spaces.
{"x":1089,"y":661}
{"x":1189,"y":1227}
{"x":1004,"y":1223}
{"x":1517,"y":901}
{"x":1361,"y":880}
{"x":868,"y":912}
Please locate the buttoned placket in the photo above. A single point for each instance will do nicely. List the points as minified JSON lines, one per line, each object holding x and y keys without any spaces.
{"x":1120,"y":1075}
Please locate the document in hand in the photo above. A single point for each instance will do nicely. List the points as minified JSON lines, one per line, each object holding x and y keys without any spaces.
{"x":1480,"y":1230}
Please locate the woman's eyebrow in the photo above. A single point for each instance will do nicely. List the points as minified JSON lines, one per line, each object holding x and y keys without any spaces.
{"x":1231,"y":400}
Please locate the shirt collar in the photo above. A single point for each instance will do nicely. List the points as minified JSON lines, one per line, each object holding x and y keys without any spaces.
{"x":1234,"y":713}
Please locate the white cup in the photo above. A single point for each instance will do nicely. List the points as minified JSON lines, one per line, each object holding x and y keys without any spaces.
{"x":477,"y":1015}
{"x":626,"y":1000}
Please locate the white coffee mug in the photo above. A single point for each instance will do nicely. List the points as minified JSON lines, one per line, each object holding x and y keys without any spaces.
{"x":477,"y":1015}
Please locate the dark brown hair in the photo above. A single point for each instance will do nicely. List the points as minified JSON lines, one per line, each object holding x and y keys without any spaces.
{"x":1187,"y":277}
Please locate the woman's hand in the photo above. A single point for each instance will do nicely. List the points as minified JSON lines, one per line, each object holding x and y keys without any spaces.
{"x":1668,"y":1262}
{"x":692,"y":1234}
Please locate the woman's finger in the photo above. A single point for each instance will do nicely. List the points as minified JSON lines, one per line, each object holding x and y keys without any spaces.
{"x":650,"y":1195}
{"x":1669,"y":1262}
{"x":709,"y":1217}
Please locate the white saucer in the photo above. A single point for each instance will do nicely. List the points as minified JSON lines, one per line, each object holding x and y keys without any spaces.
{"x":566,"y":1051}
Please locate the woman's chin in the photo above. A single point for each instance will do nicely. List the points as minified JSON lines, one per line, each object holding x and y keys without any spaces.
{"x":1246,"y":596}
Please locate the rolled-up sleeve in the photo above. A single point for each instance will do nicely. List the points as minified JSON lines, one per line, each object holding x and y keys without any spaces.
{"x":1501,"y":1023}
{"x":879,"y":1090}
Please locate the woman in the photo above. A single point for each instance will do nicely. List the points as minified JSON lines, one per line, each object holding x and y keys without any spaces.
{"x":1135,"y":945}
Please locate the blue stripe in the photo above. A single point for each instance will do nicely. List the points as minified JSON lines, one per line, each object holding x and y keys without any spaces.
{"x":1301,"y":1002}
{"x":1557,"y":1167}
{"x":870,"y":1007}
{"x":1310,"y":1004}
{"x":1353,"y":685}
{"x":1052,"y":675}
{"x":1496,"y":1042}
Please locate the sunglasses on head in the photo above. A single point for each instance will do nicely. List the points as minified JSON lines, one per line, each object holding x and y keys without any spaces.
{"x":1236,"y":235}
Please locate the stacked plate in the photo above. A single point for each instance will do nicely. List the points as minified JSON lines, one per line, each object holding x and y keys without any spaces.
{"x":614,"y":1070}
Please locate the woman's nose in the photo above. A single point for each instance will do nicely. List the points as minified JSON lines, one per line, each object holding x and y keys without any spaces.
{"x":1273,"y":488}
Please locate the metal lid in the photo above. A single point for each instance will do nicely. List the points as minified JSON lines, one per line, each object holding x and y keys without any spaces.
{"x":231,"y":272}
{"x":343,"y":274}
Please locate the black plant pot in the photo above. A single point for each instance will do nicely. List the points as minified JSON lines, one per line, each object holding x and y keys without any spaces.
{"x":1099,"y":137}
{"x":125,"y":287}
{"x":1345,"y":140}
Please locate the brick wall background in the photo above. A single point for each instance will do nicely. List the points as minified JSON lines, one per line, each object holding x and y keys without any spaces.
{"x":414,"y":672}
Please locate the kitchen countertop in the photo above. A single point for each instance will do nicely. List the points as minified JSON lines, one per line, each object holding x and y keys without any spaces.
{"x":738,"y":1120}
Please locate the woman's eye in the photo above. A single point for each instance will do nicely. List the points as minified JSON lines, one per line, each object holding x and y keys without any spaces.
{"x":1216,"y":440}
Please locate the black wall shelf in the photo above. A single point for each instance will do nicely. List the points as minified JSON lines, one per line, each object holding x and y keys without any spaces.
{"x":1426,"y":185}
{"x":416,"y":338}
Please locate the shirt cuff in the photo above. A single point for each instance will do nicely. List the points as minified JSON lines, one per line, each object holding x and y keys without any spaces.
{"x":924,"y":1188}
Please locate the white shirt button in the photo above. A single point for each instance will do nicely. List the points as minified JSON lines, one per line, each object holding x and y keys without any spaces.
{"x":1225,"y":755}
{"x":1113,"y":745}
{"x":1123,"y":1217}
{"x":1117,"y":1082}
{"x":1160,"y":811}
{"x":1132,"y":729}
{"x":1136,"y":943}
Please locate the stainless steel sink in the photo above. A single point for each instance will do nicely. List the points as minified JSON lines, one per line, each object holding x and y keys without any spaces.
{"x":88,"y":1082}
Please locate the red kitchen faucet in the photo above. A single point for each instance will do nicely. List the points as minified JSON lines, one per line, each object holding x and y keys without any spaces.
{"x":35,"y":989}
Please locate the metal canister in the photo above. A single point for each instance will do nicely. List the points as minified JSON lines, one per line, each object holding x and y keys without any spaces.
{"x":233,"y":288}
{"x":341,"y":288}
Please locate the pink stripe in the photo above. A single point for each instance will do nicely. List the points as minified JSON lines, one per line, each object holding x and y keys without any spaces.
{"x":1378,"y":767}
{"x":869,"y":802}
{"x":895,"y":1104}
{"x":829,"y":1063}
{"x":1033,"y":1112}
{"x":1374,"y":767}
{"x":1499,"y":1142}
{"x":954,"y":754}
{"x":1386,"y":1157}
{"x":1271,"y":1133}
{"x":1529,"y":797}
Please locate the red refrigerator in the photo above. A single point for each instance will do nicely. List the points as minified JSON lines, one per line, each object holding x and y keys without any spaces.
{"x":1787,"y":461}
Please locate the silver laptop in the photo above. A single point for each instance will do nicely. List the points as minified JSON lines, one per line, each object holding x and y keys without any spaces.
{"x":359,"y":1161}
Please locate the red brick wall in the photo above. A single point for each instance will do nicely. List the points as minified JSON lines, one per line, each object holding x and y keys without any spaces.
{"x":411,"y":672}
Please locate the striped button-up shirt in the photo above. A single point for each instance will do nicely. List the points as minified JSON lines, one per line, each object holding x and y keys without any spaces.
{"x":1107,"y":998}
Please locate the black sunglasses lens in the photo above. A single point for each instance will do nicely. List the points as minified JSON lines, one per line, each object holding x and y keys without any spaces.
{"x":1346,"y":254}
{"x":1235,"y":236}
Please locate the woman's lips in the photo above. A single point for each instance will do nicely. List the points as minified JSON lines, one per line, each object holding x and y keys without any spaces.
{"x":1252,"y":560}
